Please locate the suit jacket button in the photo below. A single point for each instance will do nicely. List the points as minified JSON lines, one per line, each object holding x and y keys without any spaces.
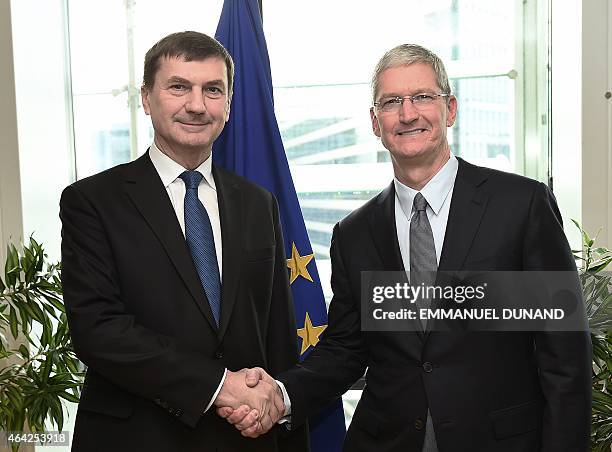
{"x":427,"y":367}
{"x":219,"y":354}
{"x":419,"y":424}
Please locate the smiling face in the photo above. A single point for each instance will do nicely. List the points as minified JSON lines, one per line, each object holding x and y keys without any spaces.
{"x":413,"y":135}
{"x":189,"y":106}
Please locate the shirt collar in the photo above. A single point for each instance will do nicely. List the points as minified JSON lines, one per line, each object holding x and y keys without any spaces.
{"x":435,"y":191}
{"x":169,"y":170}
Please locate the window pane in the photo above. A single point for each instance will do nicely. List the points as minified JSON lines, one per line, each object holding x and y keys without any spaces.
{"x":102,"y":132}
{"x":484,"y":130}
{"x":98,"y":46}
{"x":154,"y":19}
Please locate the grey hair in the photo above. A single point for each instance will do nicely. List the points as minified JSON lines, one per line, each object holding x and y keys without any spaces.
{"x":407,"y":54}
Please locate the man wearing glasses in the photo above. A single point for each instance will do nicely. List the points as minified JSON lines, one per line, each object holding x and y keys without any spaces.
{"x":430,"y":390}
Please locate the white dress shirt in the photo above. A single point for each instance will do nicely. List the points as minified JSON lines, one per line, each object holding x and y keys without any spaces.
{"x":169,"y":172}
{"x":438,"y":193}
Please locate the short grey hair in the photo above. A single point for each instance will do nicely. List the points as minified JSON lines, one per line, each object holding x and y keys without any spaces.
{"x":407,"y":54}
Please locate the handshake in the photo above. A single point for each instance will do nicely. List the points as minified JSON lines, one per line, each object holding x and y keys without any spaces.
{"x":251,"y":400}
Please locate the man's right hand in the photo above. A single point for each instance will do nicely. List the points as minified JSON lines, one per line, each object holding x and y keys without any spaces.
{"x":250,"y":400}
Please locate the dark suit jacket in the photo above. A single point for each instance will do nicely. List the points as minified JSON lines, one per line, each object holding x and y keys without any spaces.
{"x":487,"y":391}
{"x":140,"y":320}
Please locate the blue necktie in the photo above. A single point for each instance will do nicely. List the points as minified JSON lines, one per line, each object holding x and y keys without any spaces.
{"x":199,"y":236}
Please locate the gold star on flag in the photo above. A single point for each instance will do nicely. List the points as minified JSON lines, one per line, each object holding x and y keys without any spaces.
{"x":298,"y":264}
{"x":309,"y":334}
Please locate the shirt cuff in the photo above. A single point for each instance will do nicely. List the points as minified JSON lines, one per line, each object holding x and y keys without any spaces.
{"x":287,"y":402}
{"x":214,"y":397}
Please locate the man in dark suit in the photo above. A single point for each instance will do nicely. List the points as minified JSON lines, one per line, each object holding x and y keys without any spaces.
{"x":175,"y":277}
{"x":457,"y":390}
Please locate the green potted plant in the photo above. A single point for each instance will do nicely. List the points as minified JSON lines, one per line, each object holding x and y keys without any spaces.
{"x":598,"y":304}
{"x":38,"y":367}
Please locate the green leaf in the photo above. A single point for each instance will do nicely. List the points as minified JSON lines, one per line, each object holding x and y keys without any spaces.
{"x":46,"y":336}
{"x":601,"y":250}
{"x":68,"y":396}
{"x":57,"y":304}
{"x":26,"y":309}
{"x":57,"y":413}
{"x":14,"y":322}
{"x":586,"y":240}
{"x":12,"y":269}
{"x":26,"y":321}
{"x":15,"y":398}
{"x":50,"y":310}
{"x":25,"y":352}
{"x":72,"y":365}
{"x":47,"y":367}
{"x":598,"y":266}
{"x":37,"y":313}
{"x":28,"y":264}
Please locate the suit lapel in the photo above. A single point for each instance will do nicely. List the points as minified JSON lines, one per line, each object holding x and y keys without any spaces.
{"x":145,"y":189}
{"x":384,"y":231}
{"x":229,"y":197}
{"x":467,"y":206}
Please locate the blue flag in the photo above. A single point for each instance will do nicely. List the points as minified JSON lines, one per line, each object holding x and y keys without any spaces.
{"x":251,"y":146}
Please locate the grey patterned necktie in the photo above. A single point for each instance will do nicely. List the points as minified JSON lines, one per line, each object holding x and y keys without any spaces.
{"x":423,"y":265}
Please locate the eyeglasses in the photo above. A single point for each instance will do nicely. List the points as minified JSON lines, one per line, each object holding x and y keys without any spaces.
{"x":419,"y":101}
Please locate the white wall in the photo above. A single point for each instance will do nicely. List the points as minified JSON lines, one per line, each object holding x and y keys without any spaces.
{"x":597,"y":118}
{"x":10,"y":189}
{"x":582,"y":116}
{"x":566,"y":113}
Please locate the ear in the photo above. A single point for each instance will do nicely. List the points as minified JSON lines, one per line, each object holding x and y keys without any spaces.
{"x":375,"y":125}
{"x":227,"y":111}
{"x":144,"y":95}
{"x":452,"y":111}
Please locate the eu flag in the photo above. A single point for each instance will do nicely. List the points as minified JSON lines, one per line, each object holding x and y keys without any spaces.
{"x":251,"y":146}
